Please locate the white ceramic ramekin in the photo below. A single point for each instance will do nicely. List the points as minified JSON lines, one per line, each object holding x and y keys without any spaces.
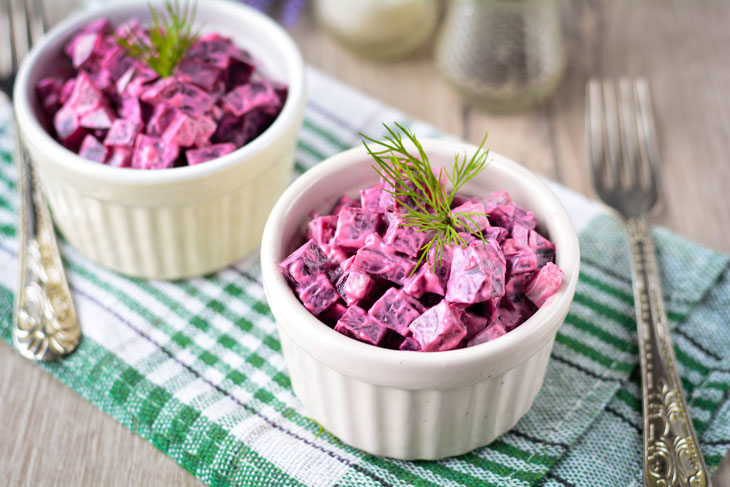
{"x":175,"y":222}
{"x":414,"y":405}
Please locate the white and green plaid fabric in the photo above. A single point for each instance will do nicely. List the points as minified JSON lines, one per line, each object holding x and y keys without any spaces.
{"x":195,"y":366}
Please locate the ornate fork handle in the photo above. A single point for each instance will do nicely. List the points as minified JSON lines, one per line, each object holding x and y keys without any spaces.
{"x":671,"y":449}
{"x":46,"y":326}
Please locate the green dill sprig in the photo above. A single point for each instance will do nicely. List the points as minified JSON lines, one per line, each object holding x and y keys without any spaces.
{"x":412,"y":181}
{"x":169,"y":37}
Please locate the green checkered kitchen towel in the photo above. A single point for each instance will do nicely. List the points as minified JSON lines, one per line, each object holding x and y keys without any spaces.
{"x":196,"y":367}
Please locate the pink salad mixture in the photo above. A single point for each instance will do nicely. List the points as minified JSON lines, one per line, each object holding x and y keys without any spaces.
{"x":115,"y":110}
{"x":356,"y":273}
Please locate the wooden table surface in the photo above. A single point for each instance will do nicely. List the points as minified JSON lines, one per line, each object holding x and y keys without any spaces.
{"x":51,"y":436}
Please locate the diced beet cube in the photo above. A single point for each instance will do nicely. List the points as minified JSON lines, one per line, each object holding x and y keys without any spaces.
{"x":477,"y":274}
{"x":281,"y":90}
{"x":162,"y":116}
{"x":212,"y":48}
{"x":99,"y":133}
{"x":519,"y":259}
{"x":238,"y":72}
{"x":347,"y":263}
{"x":151,"y":93}
{"x":459,"y":200}
{"x":122,"y":133}
{"x":49,"y":93}
{"x":410,"y":344}
{"x":396,"y":310}
{"x":392,"y":340}
{"x":153,"y":153}
{"x":334,"y":272}
{"x":378,"y":259}
{"x":124,"y":80}
{"x":85,"y":96}
{"x":489,"y":333}
{"x":370,"y":198}
{"x":358,"y":286}
{"x":120,"y":157}
{"x":303,"y":266}
{"x":245,"y":98}
{"x":319,"y":295}
{"x":334,"y":252}
{"x":357,"y":324}
{"x":131,"y":110}
{"x":101,"y":79}
{"x":487,"y":309}
{"x":255,"y":123}
{"x":241,"y":55}
{"x":354,"y":286}
{"x":353,"y":227}
{"x":473,"y":323}
{"x":144,"y":74}
{"x":496,"y":198}
{"x":537,"y":241}
{"x":229,"y":130}
{"x":322,"y":229}
{"x":497,"y":234}
{"x":117,"y":63}
{"x":67,"y":90}
{"x":520,"y":236}
{"x":544,"y":249}
{"x":205,"y":129}
{"x":85,"y":49}
{"x":99,"y":118}
{"x":544,"y":284}
{"x":388,"y":202}
{"x":182,"y":130}
{"x":439,"y":328}
{"x":137,"y":88}
{"x":93,"y":150}
{"x":511,"y":315}
{"x":468,"y":237}
{"x":431,"y":277}
{"x":429,"y":300}
{"x":68,"y":130}
{"x":344,"y":202}
{"x":522,"y":262}
{"x":196,"y":156}
{"x":196,"y":71}
{"x":216,"y":113}
{"x":129,"y":27}
{"x":186,"y":97}
{"x":517,"y":284}
{"x":387,"y":199}
{"x":405,"y":239}
{"x":332,"y":315}
{"x":473,"y":217}
{"x":134,"y":81}
{"x":507,"y":215}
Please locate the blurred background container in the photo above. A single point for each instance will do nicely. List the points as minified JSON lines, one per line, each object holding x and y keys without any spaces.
{"x":503,"y":55}
{"x":379,"y":29}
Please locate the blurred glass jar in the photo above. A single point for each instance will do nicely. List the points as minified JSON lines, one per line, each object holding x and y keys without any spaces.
{"x":503,"y":55}
{"x":379,"y":29}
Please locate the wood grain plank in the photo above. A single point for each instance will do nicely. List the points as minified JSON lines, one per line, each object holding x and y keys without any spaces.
{"x":58,"y":438}
{"x":52,"y":436}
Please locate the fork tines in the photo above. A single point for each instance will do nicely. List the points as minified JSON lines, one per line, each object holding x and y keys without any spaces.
{"x":621,"y":139}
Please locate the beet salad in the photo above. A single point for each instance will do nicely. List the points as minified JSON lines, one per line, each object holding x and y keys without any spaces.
{"x":362,"y":270}
{"x":115,"y":109}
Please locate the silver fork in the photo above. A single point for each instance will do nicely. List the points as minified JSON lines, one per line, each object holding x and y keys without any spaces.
{"x":623,"y":153}
{"x":45,"y":323}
